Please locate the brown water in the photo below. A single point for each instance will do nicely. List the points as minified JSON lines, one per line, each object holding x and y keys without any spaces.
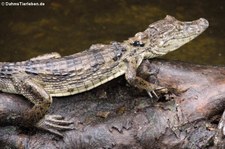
{"x":72,"y":26}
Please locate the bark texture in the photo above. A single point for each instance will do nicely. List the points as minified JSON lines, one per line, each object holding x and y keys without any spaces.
{"x":116,"y":115}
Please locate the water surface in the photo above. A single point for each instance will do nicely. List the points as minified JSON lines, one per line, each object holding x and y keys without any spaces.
{"x":71,"y":26}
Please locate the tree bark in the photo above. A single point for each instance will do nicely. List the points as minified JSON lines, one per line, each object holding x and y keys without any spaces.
{"x":116,"y":115}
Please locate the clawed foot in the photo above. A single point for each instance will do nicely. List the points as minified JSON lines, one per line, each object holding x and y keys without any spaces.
{"x":55,"y":124}
{"x":159,"y":90}
{"x":151,"y":93}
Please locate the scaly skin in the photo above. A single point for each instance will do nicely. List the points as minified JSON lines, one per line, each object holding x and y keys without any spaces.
{"x":41,"y":78}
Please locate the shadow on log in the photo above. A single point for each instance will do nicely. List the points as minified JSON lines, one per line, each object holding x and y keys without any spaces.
{"x":116,"y":115}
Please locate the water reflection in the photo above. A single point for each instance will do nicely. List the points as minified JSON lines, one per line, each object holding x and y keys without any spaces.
{"x":72,"y":26}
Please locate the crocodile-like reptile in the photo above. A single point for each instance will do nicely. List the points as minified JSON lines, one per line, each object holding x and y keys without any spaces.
{"x":43,"y":77}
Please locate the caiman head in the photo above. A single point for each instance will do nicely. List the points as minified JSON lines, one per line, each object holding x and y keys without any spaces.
{"x":167,"y":35}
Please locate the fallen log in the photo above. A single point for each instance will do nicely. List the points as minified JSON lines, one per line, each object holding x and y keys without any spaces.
{"x":120,"y":116}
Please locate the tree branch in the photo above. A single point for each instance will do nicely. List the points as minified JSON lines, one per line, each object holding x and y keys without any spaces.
{"x":118,"y":115}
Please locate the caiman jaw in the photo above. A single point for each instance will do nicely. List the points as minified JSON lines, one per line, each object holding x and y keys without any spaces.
{"x":167,"y":35}
{"x":203,"y":23}
{"x":186,"y":31}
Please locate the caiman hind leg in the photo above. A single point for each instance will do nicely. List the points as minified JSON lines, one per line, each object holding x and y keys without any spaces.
{"x":138,"y":82}
{"x":42,"y":101}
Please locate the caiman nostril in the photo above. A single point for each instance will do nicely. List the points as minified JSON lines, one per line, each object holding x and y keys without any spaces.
{"x":203,"y":23}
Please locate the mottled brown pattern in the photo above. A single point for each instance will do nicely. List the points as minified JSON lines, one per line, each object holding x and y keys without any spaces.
{"x":40,"y":78}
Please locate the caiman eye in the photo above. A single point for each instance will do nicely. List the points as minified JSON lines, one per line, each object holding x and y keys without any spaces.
{"x":137,"y":44}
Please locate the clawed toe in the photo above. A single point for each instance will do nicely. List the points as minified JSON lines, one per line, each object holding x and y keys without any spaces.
{"x":55,"y":124}
{"x":159,"y":90}
{"x":57,"y":119}
{"x":162,"y":89}
{"x":59,"y":125}
{"x":154,"y":93}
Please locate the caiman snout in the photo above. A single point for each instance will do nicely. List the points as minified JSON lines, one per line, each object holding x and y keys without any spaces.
{"x":203,"y":23}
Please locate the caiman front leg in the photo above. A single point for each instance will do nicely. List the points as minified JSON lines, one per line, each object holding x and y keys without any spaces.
{"x":42,"y":101}
{"x":134,"y":80}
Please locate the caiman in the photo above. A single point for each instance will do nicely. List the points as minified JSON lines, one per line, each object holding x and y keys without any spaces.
{"x":50,"y":75}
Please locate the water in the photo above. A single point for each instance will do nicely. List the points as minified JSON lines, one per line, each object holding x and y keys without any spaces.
{"x":71,"y":26}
